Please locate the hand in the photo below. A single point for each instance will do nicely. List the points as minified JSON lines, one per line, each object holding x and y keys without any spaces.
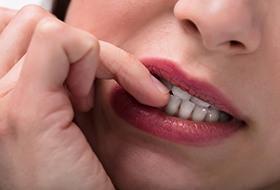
{"x":47,"y":69}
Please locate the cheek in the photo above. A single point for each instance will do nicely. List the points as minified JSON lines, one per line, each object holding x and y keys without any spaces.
{"x":107,"y":20}
{"x":116,"y":21}
{"x":269,"y":66}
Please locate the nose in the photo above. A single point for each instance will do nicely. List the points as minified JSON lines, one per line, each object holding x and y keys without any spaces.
{"x":228,"y":26}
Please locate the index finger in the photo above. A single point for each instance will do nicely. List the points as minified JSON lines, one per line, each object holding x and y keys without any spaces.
{"x":132,"y":75}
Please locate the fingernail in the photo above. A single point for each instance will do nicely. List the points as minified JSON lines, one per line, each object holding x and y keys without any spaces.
{"x":160,"y":86}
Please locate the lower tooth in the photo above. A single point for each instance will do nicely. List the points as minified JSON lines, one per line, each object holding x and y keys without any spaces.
{"x":199,"y":113}
{"x":186,"y":109}
{"x":173,"y":105}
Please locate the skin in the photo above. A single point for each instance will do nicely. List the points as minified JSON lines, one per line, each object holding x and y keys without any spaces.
{"x":41,"y":146}
{"x":42,"y":87}
{"x":245,"y":72}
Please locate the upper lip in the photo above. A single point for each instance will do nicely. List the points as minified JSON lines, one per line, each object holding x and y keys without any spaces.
{"x":168,"y":70}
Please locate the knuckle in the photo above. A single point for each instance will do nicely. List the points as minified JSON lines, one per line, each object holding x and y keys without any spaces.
{"x":90,"y":42}
{"x":32,"y":14}
{"x":93,"y":43}
{"x":49,"y":28}
{"x":32,"y":11}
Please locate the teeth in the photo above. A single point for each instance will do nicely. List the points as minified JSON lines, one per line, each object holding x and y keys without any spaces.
{"x":199,"y":113}
{"x":200,"y":102}
{"x":186,"y":109}
{"x":213,"y":115}
{"x":186,"y":106}
{"x":180,"y":93}
{"x":173,"y":105}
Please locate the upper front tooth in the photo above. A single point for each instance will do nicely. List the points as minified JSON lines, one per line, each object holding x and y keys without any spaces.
{"x":200,"y":102}
{"x":173,"y":105}
{"x":186,"y":109}
{"x":180,"y":93}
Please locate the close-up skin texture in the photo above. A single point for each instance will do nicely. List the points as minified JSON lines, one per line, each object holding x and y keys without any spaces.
{"x":225,"y":52}
{"x":141,"y":94}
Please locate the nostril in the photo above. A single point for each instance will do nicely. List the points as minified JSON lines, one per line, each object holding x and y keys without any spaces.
{"x":191,"y":25}
{"x":231,"y":44}
{"x":236,"y":44}
{"x":231,"y":47}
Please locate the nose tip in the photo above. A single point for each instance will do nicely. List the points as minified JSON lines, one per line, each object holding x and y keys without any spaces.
{"x":228,"y":26}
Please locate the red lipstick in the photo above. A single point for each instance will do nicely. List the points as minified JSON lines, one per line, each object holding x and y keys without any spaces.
{"x":154,"y":121}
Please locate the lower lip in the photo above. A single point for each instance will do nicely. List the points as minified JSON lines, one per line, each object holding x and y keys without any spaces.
{"x":157,"y":123}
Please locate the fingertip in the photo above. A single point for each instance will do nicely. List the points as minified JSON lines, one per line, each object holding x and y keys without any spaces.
{"x":157,"y":100}
{"x":161,"y":101}
{"x":161,"y":87}
{"x":159,"y":97}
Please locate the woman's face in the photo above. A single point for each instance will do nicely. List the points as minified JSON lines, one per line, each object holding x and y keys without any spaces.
{"x":225,"y":52}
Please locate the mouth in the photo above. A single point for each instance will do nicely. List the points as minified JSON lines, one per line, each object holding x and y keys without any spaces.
{"x":186,"y":106}
{"x":197,"y":114}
